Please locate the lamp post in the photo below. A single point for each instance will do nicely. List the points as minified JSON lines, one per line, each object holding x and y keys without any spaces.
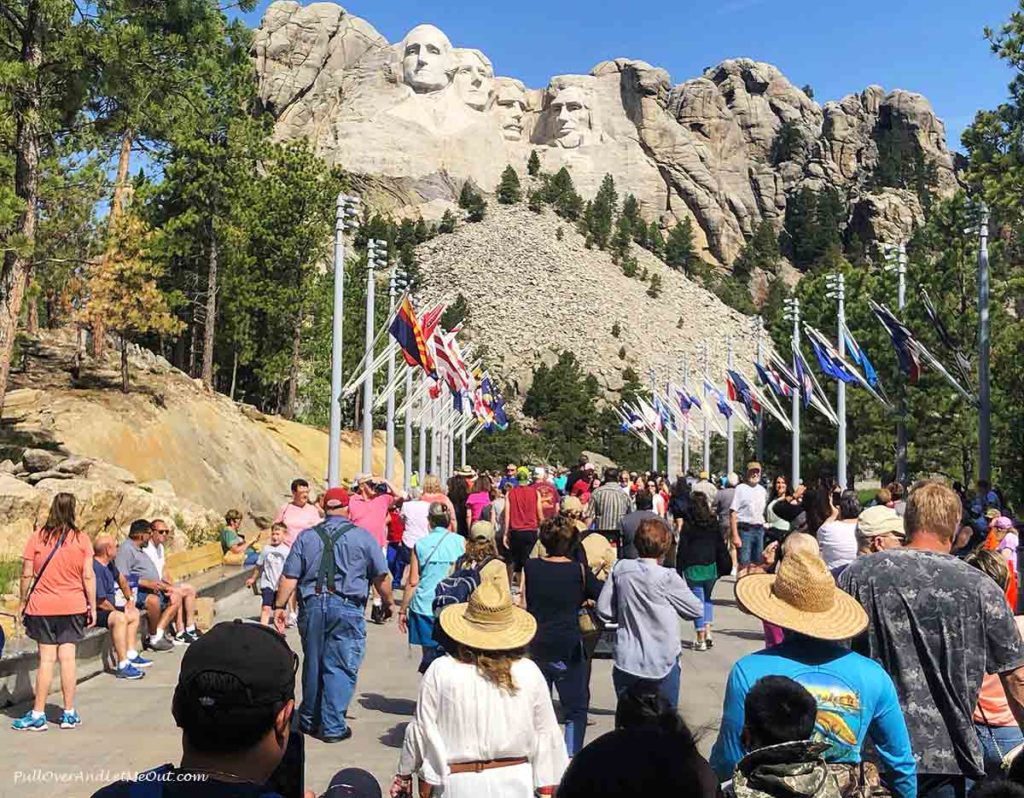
{"x":376,"y":258}
{"x":793,"y":314}
{"x":395,"y":282}
{"x":686,"y":418}
{"x":706,"y":463}
{"x":759,"y":332}
{"x":837,"y":290}
{"x":421,"y":413}
{"x":730,"y":436}
{"x":407,"y":433}
{"x":345,"y":218}
{"x":654,"y":437}
{"x":897,"y":262}
{"x":984,"y":353}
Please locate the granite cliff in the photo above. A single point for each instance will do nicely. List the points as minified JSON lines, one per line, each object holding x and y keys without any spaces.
{"x":418,"y":118}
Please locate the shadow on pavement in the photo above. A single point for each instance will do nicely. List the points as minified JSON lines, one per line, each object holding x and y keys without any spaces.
{"x":742,"y":634}
{"x":391,"y":706}
{"x":395,"y":736}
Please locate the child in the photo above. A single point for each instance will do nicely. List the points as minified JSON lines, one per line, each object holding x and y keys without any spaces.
{"x":269,"y":567}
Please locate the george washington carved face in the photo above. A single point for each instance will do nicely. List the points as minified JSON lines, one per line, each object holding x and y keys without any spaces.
{"x":428,"y":62}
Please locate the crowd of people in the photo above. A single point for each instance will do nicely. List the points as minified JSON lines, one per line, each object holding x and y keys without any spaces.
{"x":893,"y":661}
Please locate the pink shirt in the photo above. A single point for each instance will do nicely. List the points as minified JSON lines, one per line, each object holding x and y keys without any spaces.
{"x":371,"y":515}
{"x":476,"y":503}
{"x":297,"y":519}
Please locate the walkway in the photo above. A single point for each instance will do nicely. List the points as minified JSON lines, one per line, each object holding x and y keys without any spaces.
{"x":127,"y":726}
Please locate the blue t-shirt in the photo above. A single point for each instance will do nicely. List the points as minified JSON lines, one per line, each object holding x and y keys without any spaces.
{"x":436,"y":553}
{"x":855,"y":696}
{"x":357,"y":554}
{"x":106,"y":582}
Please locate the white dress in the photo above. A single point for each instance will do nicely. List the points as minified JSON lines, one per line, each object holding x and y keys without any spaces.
{"x":462,"y":717}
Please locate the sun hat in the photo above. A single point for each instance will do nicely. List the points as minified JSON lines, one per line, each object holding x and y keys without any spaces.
{"x":573,"y":508}
{"x":992,"y":512}
{"x":465,"y":471}
{"x":753,"y":465}
{"x":488,"y":621}
{"x":588,"y":466}
{"x":880,"y":520}
{"x":1002,"y":522}
{"x":703,"y":475}
{"x":481,"y":531}
{"x":802,"y":597}
{"x":335,"y":498}
{"x":364,"y":477}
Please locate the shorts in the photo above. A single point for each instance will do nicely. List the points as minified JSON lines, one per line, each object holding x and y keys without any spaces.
{"x":268,"y":594}
{"x":751,"y":544}
{"x":520,"y":544}
{"x":55,"y":630}
{"x":140,"y":599}
{"x":103,"y":618}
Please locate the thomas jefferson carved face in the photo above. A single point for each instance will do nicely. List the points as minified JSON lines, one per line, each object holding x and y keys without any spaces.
{"x":511,"y":102}
{"x":570,"y":115}
{"x":474,"y":79}
{"x":427,"y":60}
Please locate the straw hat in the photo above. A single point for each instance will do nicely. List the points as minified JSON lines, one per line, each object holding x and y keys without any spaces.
{"x":803,"y":597}
{"x":489,"y":621}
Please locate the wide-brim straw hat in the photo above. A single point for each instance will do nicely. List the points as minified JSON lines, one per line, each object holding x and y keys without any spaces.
{"x":802,"y":597}
{"x":489,"y":621}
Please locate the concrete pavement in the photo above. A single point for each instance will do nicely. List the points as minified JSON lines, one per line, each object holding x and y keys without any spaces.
{"x":127,"y":726}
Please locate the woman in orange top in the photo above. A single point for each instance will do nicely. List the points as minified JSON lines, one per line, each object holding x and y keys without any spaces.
{"x":58,"y":597}
{"x":997,"y":728}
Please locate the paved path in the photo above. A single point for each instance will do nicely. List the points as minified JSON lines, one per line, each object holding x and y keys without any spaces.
{"x":127,"y":726}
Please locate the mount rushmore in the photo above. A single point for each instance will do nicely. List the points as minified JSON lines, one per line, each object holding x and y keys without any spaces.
{"x":418,"y":118}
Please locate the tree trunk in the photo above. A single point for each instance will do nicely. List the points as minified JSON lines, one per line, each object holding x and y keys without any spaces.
{"x":210,"y":323}
{"x":234,"y":376}
{"x":16,"y":266}
{"x":117,"y":203}
{"x":32,"y":316}
{"x":293,"y":372}
{"x":193,"y":344}
{"x":124,"y":364}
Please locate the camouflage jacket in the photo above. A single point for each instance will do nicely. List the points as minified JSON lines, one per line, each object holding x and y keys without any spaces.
{"x":790,"y":770}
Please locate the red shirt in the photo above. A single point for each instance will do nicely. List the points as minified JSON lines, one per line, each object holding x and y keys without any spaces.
{"x":522,"y":508}
{"x":548,"y":498}
{"x":61,"y":591}
{"x":396,"y":527}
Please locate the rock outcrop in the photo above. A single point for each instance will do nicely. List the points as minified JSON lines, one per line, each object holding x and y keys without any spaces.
{"x":418,"y":118}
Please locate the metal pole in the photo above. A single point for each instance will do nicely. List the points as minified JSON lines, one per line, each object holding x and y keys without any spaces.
{"x":686,"y":418}
{"x":389,"y":445}
{"x":841,"y":387}
{"x":706,"y":463}
{"x":344,"y":204}
{"x":760,"y":415}
{"x":729,"y":454}
{"x":654,"y":438}
{"x":366,"y":465}
{"x":984,"y":352}
{"x":901,"y":419}
{"x":462,"y":445}
{"x":435,"y":443}
{"x":794,"y":475}
{"x":451,"y":442}
{"x":407,"y":436}
{"x":421,"y":411}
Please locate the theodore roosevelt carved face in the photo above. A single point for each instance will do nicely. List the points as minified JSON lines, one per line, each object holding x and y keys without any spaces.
{"x":511,"y":103}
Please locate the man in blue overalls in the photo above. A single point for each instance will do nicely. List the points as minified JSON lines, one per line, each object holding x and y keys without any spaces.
{"x":332,"y":598}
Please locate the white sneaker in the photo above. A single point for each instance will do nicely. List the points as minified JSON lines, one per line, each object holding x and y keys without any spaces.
{"x":700,"y":645}
{"x":291,"y":620}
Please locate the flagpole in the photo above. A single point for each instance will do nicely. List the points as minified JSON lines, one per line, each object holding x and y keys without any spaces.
{"x":901,"y":421}
{"x":704,"y":412}
{"x":389,"y":427}
{"x":345,"y":210}
{"x":686,"y":418}
{"x":372,"y":255}
{"x":729,"y":433}
{"x":793,"y":312}
{"x":984,"y":352}
{"x":421,"y":413}
{"x":451,"y":441}
{"x":462,"y":453}
{"x":654,"y":440}
{"x":407,"y":435}
{"x":759,"y":323}
{"x":837,"y":290}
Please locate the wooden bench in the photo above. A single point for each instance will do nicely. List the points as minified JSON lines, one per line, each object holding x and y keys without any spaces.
{"x":185,"y":563}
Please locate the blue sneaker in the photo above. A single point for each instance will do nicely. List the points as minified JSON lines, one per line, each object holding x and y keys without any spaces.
{"x":70,"y":720}
{"x":129,"y":672}
{"x":28,"y":722}
{"x":140,"y":662}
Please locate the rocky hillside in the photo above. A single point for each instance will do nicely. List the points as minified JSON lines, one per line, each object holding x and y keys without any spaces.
{"x":534,"y":289}
{"x":417,"y":118}
{"x":168,"y":448}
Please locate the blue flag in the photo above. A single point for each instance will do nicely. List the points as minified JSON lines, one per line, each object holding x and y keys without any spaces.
{"x":803,"y":377}
{"x":829,"y":364}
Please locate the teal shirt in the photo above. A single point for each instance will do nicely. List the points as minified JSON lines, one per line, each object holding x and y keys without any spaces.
{"x":436,"y":554}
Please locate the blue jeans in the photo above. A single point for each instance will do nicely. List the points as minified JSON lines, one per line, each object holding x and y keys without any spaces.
{"x":996,"y":742}
{"x":333,"y":632}
{"x":942,"y":786}
{"x":667,"y":685}
{"x":397,"y":559}
{"x":703,"y":590}
{"x":569,"y":678}
{"x":751,"y":545}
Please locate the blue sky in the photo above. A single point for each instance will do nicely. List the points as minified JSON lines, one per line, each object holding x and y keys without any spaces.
{"x":934,"y":47}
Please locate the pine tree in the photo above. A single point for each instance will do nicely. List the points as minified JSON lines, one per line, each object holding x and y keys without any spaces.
{"x":560,"y":192}
{"x":602,"y":215}
{"x":789,"y":143}
{"x":623,"y":237}
{"x":655,"y":240}
{"x":421,"y":231}
{"x":509,"y":190}
{"x":533,"y":165}
{"x":761,"y":252}
{"x":447,"y":222}
{"x":680,"y":253}
{"x":471,"y":202}
{"x":535,"y":201}
{"x":654,"y":291}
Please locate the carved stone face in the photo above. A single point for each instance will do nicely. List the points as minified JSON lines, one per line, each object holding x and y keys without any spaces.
{"x":570,"y":115}
{"x":511,"y":102}
{"x":474,"y":79}
{"x":427,"y":60}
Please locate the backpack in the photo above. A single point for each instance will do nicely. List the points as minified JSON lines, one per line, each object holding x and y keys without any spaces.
{"x":457,"y":587}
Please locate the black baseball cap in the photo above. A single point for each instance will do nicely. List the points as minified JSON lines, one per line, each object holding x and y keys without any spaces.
{"x":353,"y":783}
{"x":259,"y":658}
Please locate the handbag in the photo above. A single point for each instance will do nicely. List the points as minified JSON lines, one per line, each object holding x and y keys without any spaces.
{"x":586,"y":616}
{"x":1005,"y":759}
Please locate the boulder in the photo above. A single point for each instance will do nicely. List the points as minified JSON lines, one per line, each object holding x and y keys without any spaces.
{"x":111,"y":473}
{"x":39,"y":460}
{"x":38,"y":476}
{"x":8,"y":467}
{"x":76,"y":465}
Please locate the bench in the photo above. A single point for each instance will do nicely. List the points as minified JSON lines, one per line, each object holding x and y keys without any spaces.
{"x":185,"y":563}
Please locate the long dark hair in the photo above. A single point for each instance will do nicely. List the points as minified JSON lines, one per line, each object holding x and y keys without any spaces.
{"x":681,"y":489}
{"x":701,"y":511}
{"x":61,"y":518}
{"x":458,"y":491}
{"x":817,"y":506}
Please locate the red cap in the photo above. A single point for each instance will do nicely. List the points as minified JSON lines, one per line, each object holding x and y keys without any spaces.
{"x":335,"y":498}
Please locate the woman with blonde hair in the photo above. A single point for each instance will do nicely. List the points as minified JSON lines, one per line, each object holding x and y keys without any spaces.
{"x":58,"y":599}
{"x":434,"y":492}
{"x":484,"y":723}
